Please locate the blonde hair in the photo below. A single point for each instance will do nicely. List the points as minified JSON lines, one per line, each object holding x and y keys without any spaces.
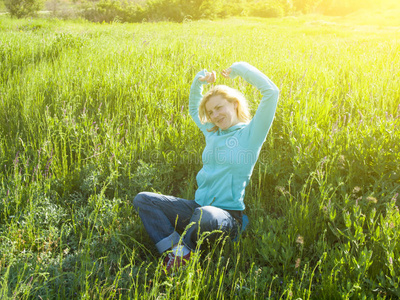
{"x":232,"y":96}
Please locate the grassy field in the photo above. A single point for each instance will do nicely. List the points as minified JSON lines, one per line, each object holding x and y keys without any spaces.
{"x":91,"y":114}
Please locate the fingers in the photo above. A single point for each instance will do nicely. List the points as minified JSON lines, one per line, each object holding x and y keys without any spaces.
{"x":225,"y":73}
{"x":210,"y":77}
{"x":213,"y":77}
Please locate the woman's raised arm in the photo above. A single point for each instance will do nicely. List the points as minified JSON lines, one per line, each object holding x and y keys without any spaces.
{"x":261,"y":123}
{"x":196,"y":89}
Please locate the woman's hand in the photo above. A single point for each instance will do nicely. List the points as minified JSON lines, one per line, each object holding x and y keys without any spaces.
{"x":210,"y":77}
{"x":226,"y":73}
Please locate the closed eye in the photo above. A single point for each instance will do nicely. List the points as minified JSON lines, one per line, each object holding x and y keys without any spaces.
{"x":210,"y":113}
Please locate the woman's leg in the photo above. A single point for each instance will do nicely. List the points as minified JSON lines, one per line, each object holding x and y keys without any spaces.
{"x":208,"y":219}
{"x":163,"y":216}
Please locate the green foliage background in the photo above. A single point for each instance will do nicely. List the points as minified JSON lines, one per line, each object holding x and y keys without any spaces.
{"x":183,"y":10}
{"x":91,"y":114}
{"x":23,"y":8}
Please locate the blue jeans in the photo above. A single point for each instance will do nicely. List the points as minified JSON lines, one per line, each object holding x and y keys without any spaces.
{"x":166,"y":217}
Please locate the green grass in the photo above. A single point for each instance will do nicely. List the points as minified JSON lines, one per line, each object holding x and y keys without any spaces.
{"x":91,"y":114}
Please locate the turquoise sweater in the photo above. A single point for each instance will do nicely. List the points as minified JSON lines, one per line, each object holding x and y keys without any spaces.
{"x":230,"y":155}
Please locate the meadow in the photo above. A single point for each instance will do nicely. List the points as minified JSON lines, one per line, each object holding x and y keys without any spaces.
{"x":92,"y":114}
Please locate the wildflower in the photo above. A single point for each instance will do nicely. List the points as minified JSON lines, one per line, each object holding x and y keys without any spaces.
{"x":300,"y":240}
{"x":281,"y":189}
{"x":297,"y":263}
{"x":356,"y":190}
{"x":372,"y":199}
{"x":395,"y":197}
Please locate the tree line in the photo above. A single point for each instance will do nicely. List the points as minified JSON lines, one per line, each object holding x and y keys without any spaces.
{"x":181,"y":10}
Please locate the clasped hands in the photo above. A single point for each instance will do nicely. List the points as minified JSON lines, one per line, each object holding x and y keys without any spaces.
{"x":210,"y":77}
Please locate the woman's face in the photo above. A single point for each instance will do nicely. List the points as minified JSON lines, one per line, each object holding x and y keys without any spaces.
{"x":222,"y":112}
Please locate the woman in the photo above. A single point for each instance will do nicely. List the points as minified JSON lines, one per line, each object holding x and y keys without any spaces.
{"x":233,"y":144}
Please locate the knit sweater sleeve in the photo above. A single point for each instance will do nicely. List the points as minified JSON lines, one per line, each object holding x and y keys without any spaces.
{"x":195,"y":97}
{"x":259,"y":126}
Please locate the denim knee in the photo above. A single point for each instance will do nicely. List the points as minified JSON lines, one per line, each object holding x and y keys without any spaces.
{"x":205,"y":219}
{"x":215,"y":221}
{"x":139,"y":200}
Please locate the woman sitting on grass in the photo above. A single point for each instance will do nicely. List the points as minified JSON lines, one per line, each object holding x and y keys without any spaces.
{"x":233,"y":144}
